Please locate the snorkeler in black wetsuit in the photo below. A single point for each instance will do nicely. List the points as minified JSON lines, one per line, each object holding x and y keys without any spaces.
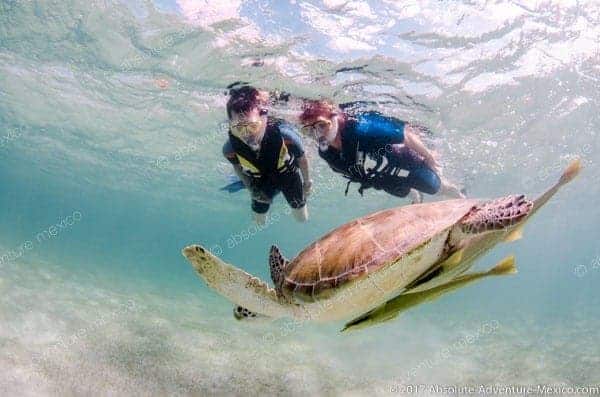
{"x":267,"y":158}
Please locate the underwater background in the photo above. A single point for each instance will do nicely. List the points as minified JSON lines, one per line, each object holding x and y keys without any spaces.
{"x":111,"y":126}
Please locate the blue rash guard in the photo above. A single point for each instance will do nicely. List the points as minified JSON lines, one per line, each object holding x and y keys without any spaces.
{"x":373,"y":156}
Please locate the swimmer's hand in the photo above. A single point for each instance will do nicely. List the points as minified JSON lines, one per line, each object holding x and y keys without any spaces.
{"x":307,"y":187}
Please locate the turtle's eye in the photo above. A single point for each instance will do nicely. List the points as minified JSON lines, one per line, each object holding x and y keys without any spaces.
{"x":263,"y":112}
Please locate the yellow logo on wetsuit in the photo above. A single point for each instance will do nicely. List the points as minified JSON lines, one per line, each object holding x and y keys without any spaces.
{"x":284,"y":158}
{"x":283,"y":163}
{"x":247,"y":167}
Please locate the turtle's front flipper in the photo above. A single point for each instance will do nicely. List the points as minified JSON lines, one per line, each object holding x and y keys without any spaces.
{"x":435,"y":276}
{"x":392,"y":308}
{"x":277,"y":265}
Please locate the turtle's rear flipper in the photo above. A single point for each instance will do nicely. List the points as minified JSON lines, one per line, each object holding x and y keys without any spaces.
{"x":496,"y":214}
{"x":241,"y":313}
{"x":392,"y":308}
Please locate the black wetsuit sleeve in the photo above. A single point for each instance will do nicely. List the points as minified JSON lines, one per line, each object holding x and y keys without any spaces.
{"x":229,"y":153}
{"x":293,"y":142}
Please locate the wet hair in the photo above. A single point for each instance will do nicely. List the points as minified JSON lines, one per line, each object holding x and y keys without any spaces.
{"x":317,"y":108}
{"x":243,"y":99}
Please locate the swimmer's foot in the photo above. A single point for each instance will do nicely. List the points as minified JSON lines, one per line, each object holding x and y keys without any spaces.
{"x":415,"y":196}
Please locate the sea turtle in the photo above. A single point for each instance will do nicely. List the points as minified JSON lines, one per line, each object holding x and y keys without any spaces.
{"x":363,"y":267}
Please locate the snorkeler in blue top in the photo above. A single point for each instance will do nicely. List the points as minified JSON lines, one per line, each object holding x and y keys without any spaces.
{"x":374,"y":150}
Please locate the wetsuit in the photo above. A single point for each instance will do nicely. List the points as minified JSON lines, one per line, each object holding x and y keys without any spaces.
{"x":274,"y":168}
{"x":372,"y":154}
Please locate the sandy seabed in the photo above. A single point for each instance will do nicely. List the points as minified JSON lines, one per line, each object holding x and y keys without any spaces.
{"x":63,"y":335}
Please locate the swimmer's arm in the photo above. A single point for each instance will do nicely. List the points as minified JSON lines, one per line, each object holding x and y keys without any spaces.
{"x":294,"y":144}
{"x":229,"y":154}
{"x":412,"y":141}
{"x":303,"y":164}
{"x":306,"y":181}
{"x":243,"y":177}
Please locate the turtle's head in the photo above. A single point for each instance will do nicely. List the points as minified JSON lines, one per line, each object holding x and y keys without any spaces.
{"x":502,"y":215}
{"x":235,"y":284}
{"x":201,"y":258}
{"x":192,"y":251}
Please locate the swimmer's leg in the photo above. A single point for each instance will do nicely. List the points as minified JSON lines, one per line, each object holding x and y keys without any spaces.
{"x":420,"y":177}
{"x":259,"y":212}
{"x":398,"y":186}
{"x":428,"y":181}
{"x":262,"y":197}
{"x":425,"y":180}
{"x":300,"y":214}
{"x":293,"y":192}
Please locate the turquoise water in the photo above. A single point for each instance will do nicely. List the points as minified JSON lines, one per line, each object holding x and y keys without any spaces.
{"x":111,"y":126}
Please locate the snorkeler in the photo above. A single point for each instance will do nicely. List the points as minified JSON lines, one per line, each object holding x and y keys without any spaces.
{"x":267,"y":158}
{"x":374,"y":150}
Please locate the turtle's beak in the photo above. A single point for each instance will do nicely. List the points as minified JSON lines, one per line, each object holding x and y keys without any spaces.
{"x":192,"y":250}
